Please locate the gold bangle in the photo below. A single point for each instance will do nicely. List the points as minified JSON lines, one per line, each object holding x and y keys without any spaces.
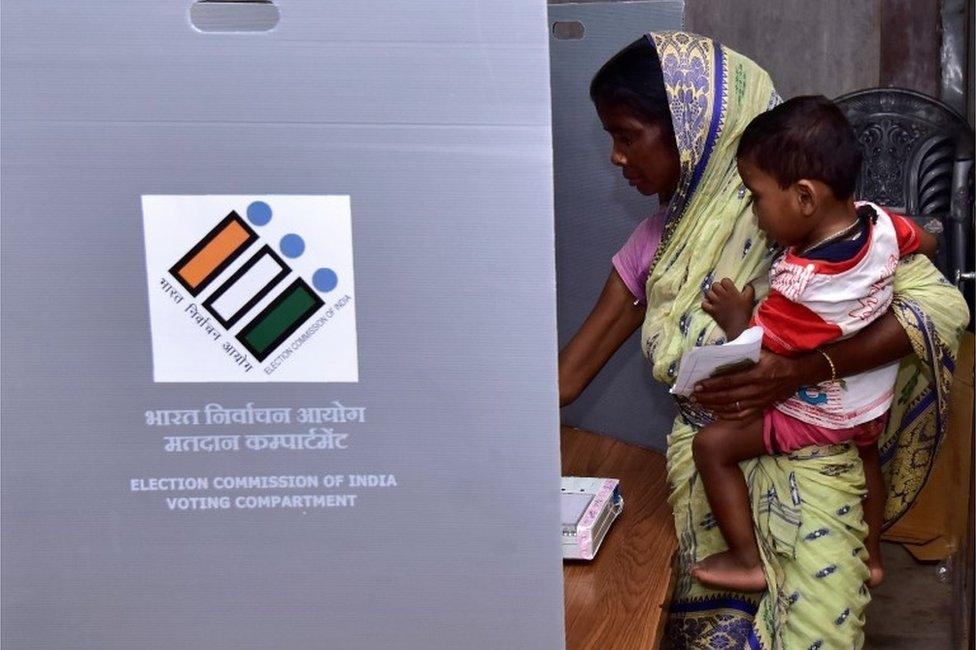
{"x":833,"y":368}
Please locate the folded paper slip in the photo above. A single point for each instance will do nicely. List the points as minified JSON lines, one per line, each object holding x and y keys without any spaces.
{"x":701,"y":363}
{"x":589,"y":506}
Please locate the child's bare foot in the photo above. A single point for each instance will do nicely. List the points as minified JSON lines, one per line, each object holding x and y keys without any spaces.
{"x":725,"y":571}
{"x":877,"y":572}
{"x":730,"y":307}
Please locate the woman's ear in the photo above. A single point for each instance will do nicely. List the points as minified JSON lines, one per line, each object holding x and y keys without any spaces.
{"x":807,"y":197}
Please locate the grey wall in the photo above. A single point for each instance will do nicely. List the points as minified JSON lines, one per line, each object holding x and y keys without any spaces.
{"x":596,"y":210}
{"x":827,"y":47}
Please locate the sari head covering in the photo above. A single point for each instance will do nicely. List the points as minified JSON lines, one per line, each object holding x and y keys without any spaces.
{"x":806,"y":506}
{"x":710,"y":232}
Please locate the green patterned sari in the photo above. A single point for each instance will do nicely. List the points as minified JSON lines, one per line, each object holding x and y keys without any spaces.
{"x":806,"y":505}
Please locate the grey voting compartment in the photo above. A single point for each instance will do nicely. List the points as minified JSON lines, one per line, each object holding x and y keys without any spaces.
{"x":596,"y":210}
{"x":207,"y":441}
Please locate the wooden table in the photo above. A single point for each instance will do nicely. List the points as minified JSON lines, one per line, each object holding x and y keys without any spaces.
{"x":618,"y":600}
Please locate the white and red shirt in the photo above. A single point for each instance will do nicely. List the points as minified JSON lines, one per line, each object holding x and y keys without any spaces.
{"x":812,"y":302}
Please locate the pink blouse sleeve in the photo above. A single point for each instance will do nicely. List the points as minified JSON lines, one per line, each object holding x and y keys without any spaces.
{"x":633,"y":260}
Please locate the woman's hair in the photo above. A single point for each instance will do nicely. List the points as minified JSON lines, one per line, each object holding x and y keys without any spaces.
{"x":633,"y":78}
{"x":804,"y":137}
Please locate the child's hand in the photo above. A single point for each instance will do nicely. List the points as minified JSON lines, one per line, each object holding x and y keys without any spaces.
{"x":730,"y":307}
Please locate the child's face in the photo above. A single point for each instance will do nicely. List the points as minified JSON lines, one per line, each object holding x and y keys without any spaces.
{"x":646,"y":153}
{"x":779,"y":212}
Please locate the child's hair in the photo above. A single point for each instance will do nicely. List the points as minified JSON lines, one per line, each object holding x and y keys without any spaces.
{"x":633,"y":77}
{"x":804,"y":137}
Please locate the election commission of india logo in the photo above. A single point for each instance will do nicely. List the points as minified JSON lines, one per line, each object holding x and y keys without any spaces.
{"x":251,"y":288}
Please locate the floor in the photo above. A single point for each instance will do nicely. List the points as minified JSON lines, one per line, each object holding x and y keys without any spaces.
{"x":912,"y":608}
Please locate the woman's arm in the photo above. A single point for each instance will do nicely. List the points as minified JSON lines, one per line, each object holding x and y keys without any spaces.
{"x":613,"y":319}
{"x":746,"y":393}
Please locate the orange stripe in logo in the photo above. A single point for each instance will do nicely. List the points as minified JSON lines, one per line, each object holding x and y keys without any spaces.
{"x":213,"y":253}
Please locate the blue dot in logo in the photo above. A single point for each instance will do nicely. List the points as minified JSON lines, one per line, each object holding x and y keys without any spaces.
{"x":292,"y":245}
{"x":325,"y":280}
{"x":259,"y":213}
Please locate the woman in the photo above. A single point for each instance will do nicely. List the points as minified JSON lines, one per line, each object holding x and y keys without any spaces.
{"x":674,"y":104}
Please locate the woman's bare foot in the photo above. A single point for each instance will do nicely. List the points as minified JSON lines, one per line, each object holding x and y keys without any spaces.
{"x":725,"y":571}
{"x":877,"y":573}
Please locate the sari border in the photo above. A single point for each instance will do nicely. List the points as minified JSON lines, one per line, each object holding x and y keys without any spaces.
{"x":933,"y":398}
{"x":715,"y":126}
{"x":926,"y":400}
{"x":724,"y":619}
{"x":707,"y":604}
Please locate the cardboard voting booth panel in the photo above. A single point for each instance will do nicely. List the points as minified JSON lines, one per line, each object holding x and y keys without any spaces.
{"x":596,"y":210}
{"x":279,"y":348}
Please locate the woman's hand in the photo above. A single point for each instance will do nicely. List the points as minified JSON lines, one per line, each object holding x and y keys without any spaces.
{"x":747,"y":393}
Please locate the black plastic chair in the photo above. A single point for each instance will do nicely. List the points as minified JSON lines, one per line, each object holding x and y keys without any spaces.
{"x":918,"y":160}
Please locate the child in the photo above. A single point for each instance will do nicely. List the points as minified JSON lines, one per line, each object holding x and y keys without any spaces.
{"x":800,"y":161}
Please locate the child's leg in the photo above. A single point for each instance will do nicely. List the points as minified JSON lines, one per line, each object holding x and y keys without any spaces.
{"x":718,"y":449}
{"x":874,"y":505}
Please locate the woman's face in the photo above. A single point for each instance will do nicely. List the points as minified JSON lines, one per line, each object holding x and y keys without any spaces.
{"x":646,"y":153}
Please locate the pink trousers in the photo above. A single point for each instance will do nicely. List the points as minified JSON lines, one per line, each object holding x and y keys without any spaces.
{"x":784,"y":433}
